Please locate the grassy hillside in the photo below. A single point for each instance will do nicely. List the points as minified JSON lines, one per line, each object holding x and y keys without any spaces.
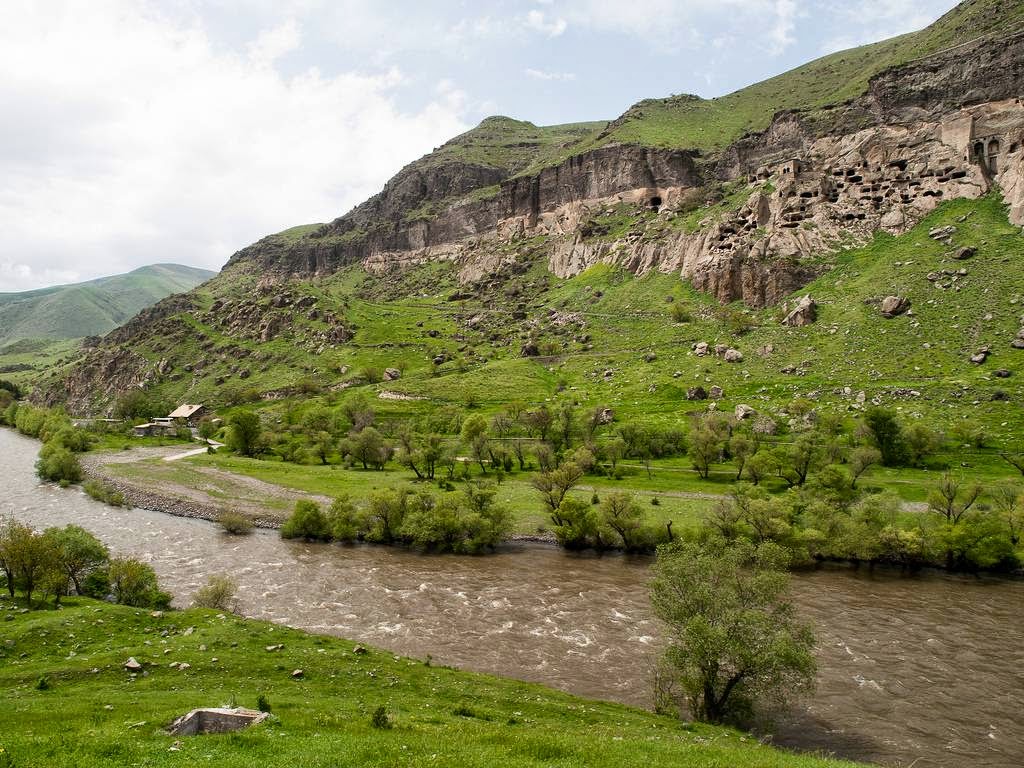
{"x":90,"y":711}
{"x":594,"y":332}
{"x":92,"y":308}
{"x":689,"y":122}
{"x":502,"y":142}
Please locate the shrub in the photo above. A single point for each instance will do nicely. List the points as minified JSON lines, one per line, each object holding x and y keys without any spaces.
{"x":307,"y":521}
{"x":134,"y":583}
{"x":57,"y":464}
{"x":234,"y":523}
{"x":380,"y":718}
{"x":263,"y":703}
{"x":680,"y":314}
{"x":104,"y":492}
{"x":346,"y":522}
{"x":218,"y":593}
{"x":578,"y":525}
{"x":468,"y":523}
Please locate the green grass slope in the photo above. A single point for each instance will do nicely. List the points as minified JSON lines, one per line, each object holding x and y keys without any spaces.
{"x":92,"y":712}
{"x":502,"y":142}
{"x":595,"y":330}
{"x":91,"y":308}
{"x":690,"y":122}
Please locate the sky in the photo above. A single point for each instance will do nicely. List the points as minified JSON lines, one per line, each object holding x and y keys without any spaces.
{"x":137,"y":132}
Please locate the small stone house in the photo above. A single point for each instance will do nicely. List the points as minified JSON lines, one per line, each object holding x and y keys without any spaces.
{"x":188,"y":414}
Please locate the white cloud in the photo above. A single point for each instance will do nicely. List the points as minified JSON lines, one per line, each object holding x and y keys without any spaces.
{"x":671,"y":25}
{"x":540,"y":74}
{"x":129,"y":138}
{"x":540,"y":22}
{"x":274,"y":43}
{"x":866,"y":21}
{"x":23,"y":277}
{"x":780,"y":33}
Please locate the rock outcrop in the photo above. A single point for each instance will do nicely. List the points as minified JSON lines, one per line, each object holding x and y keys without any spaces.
{"x":946,"y":126}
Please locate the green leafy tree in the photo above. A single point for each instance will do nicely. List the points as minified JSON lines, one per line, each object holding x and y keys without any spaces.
{"x":734,"y":639}
{"x":579,"y":525}
{"x":741,"y":448}
{"x":554,"y":485}
{"x":920,"y":442}
{"x":57,"y":464}
{"x":952,"y":500}
{"x":244,"y":432}
{"x":369,"y":448}
{"x":862,"y":458}
{"x":385,"y":514}
{"x":758,"y":467}
{"x":795,"y":461}
{"x":134,"y":583}
{"x":140,"y":405}
{"x":307,"y":521}
{"x":704,"y":450}
{"x":29,"y":559}
{"x":620,"y":513}
{"x":208,"y":428}
{"x":346,"y":522}
{"x":1008,"y":500}
{"x":886,"y":435}
{"x":474,"y":435}
{"x":78,"y":552}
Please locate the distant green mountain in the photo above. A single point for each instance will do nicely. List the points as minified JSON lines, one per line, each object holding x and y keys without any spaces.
{"x":92,"y":308}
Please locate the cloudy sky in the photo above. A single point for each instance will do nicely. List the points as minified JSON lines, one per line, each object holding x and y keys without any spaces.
{"x":139,"y":132}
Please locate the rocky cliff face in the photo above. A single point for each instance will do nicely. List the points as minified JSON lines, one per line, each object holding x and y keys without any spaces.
{"x":949,"y":125}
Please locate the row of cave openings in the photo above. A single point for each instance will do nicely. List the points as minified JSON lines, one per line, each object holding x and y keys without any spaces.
{"x":985,"y":152}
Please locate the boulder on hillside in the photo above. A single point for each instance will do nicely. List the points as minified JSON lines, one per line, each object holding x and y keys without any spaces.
{"x":744,"y":412}
{"x":893,"y":306}
{"x":942,"y":233}
{"x":804,"y":313}
{"x":716,"y":393}
{"x":392,"y":374}
{"x":733,"y":356}
{"x":964,"y":253}
{"x":700,"y":349}
{"x":696,"y":393}
{"x":980,"y":356}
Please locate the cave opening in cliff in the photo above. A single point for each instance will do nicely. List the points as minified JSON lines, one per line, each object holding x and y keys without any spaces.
{"x":993,"y":156}
{"x":654,"y":203}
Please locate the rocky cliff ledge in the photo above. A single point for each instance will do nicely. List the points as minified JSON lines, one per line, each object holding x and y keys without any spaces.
{"x":946,"y":126}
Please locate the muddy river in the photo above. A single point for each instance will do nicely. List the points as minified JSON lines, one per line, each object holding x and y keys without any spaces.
{"x":924,"y":671}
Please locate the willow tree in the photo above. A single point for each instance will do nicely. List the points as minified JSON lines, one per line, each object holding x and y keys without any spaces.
{"x":734,"y":640}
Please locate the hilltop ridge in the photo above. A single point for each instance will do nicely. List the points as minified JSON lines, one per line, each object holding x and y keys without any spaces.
{"x":851,"y":148}
{"x":94,"y":307}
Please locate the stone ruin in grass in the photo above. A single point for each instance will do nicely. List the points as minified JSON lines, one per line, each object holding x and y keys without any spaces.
{"x":215,"y":720}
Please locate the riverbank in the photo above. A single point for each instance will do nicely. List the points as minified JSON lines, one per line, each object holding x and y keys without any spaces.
{"x":921,"y":668}
{"x":94,"y":468}
{"x":323,"y":693}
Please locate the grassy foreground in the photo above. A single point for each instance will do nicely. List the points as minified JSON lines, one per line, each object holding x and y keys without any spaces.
{"x":91,"y":712}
